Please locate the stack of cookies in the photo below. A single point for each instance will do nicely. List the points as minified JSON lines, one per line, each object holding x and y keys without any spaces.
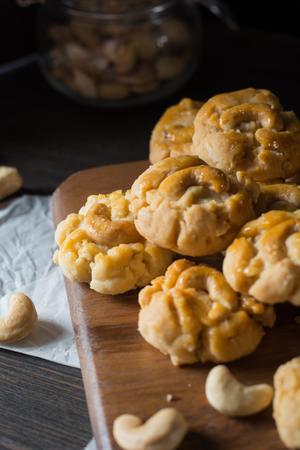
{"x":223,"y":181}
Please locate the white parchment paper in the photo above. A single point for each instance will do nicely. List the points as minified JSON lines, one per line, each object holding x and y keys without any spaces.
{"x":91,"y":445}
{"x":26,"y":249}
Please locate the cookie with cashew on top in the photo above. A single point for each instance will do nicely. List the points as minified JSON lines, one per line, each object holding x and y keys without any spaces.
{"x":173,"y":133}
{"x":248,"y":130}
{"x":101,"y":246}
{"x":264,"y":260}
{"x":190,"y":208}
{"x":192,"y":314}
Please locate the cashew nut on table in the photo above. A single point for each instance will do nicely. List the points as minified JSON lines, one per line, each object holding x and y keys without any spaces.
{"x":20,"y":319}
{"x":232,"y":398}
{"x":10,"y":181}
{"x":163,"y":431}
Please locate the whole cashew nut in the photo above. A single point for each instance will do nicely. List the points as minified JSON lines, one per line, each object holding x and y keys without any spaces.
{"x":163,"y":431}
{"x":10,"y":181}
{"x":20,"y":319}
{"x":232,"y":398}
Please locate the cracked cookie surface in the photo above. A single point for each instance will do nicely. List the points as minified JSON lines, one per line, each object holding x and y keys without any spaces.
{"x":192,"y":314}
{"x":190,"y":208}
{"x":173,"y":133}
{"x":264,"y":260}
{"x":101,"y":246}
{"x":248,"y":130}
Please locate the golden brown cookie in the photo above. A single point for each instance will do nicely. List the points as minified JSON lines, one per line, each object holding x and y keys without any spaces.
{"x":192,"y":314}
{"x":101,"y":246}
{"x":75,"y":249}
{"x":281,"y":196}
{"x":264,"y":260}
{"x":286,"y":405}
{"x":190,"y":208}
{"x":172,"y":135}
{"x":248,"y":130}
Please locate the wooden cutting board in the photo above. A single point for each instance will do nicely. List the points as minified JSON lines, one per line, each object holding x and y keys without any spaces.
{"x":124,"y":374}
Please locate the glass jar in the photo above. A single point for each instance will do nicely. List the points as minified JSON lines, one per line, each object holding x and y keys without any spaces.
{"x":118,"y":52}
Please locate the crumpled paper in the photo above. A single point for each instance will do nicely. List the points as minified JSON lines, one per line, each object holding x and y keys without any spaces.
{"x":26,"y":249}
{"x":91,"y":445}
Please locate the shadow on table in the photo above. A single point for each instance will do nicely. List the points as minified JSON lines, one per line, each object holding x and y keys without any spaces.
{"x":45,"y":332}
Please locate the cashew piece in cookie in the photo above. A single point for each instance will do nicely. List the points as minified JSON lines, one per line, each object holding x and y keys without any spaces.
{"x":232,"y":398}
{"x":163,"y":431}
{"x":20,"y":319}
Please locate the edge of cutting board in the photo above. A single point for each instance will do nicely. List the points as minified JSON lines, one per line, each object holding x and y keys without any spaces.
{"x":76,"y":290}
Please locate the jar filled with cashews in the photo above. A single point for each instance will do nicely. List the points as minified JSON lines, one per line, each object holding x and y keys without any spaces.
{"x":118,"y":52}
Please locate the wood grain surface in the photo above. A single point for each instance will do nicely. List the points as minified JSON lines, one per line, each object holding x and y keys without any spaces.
{"x":42,"y":405}
{"x":124,"y":374}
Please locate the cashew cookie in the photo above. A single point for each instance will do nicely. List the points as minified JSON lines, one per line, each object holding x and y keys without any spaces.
{"x":248,"y":130}
{"x":192,"y":314}
{"x":280,"y":196}
{"x":264,"y":260}
{"x":190,"y":208}
{"x":172,"y":135}
{"x":101,"y":246}
{"x":286,"y":405}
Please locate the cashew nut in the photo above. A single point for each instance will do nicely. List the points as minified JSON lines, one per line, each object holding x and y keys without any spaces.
{"x":10,"y":181}
{"x":84,"y":84}
{"x":19,"y":320}
{"x":163,"y":431}
{"x":232,"y":398}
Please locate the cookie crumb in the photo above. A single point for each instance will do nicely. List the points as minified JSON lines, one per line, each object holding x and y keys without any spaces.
{"x":169,"y":397}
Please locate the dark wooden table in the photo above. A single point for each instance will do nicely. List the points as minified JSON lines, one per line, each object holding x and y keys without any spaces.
{"x":48,"y":137}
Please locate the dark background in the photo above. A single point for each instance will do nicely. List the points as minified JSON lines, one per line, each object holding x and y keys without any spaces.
{"x":17,"y":35}
{"x":48,"y":137}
